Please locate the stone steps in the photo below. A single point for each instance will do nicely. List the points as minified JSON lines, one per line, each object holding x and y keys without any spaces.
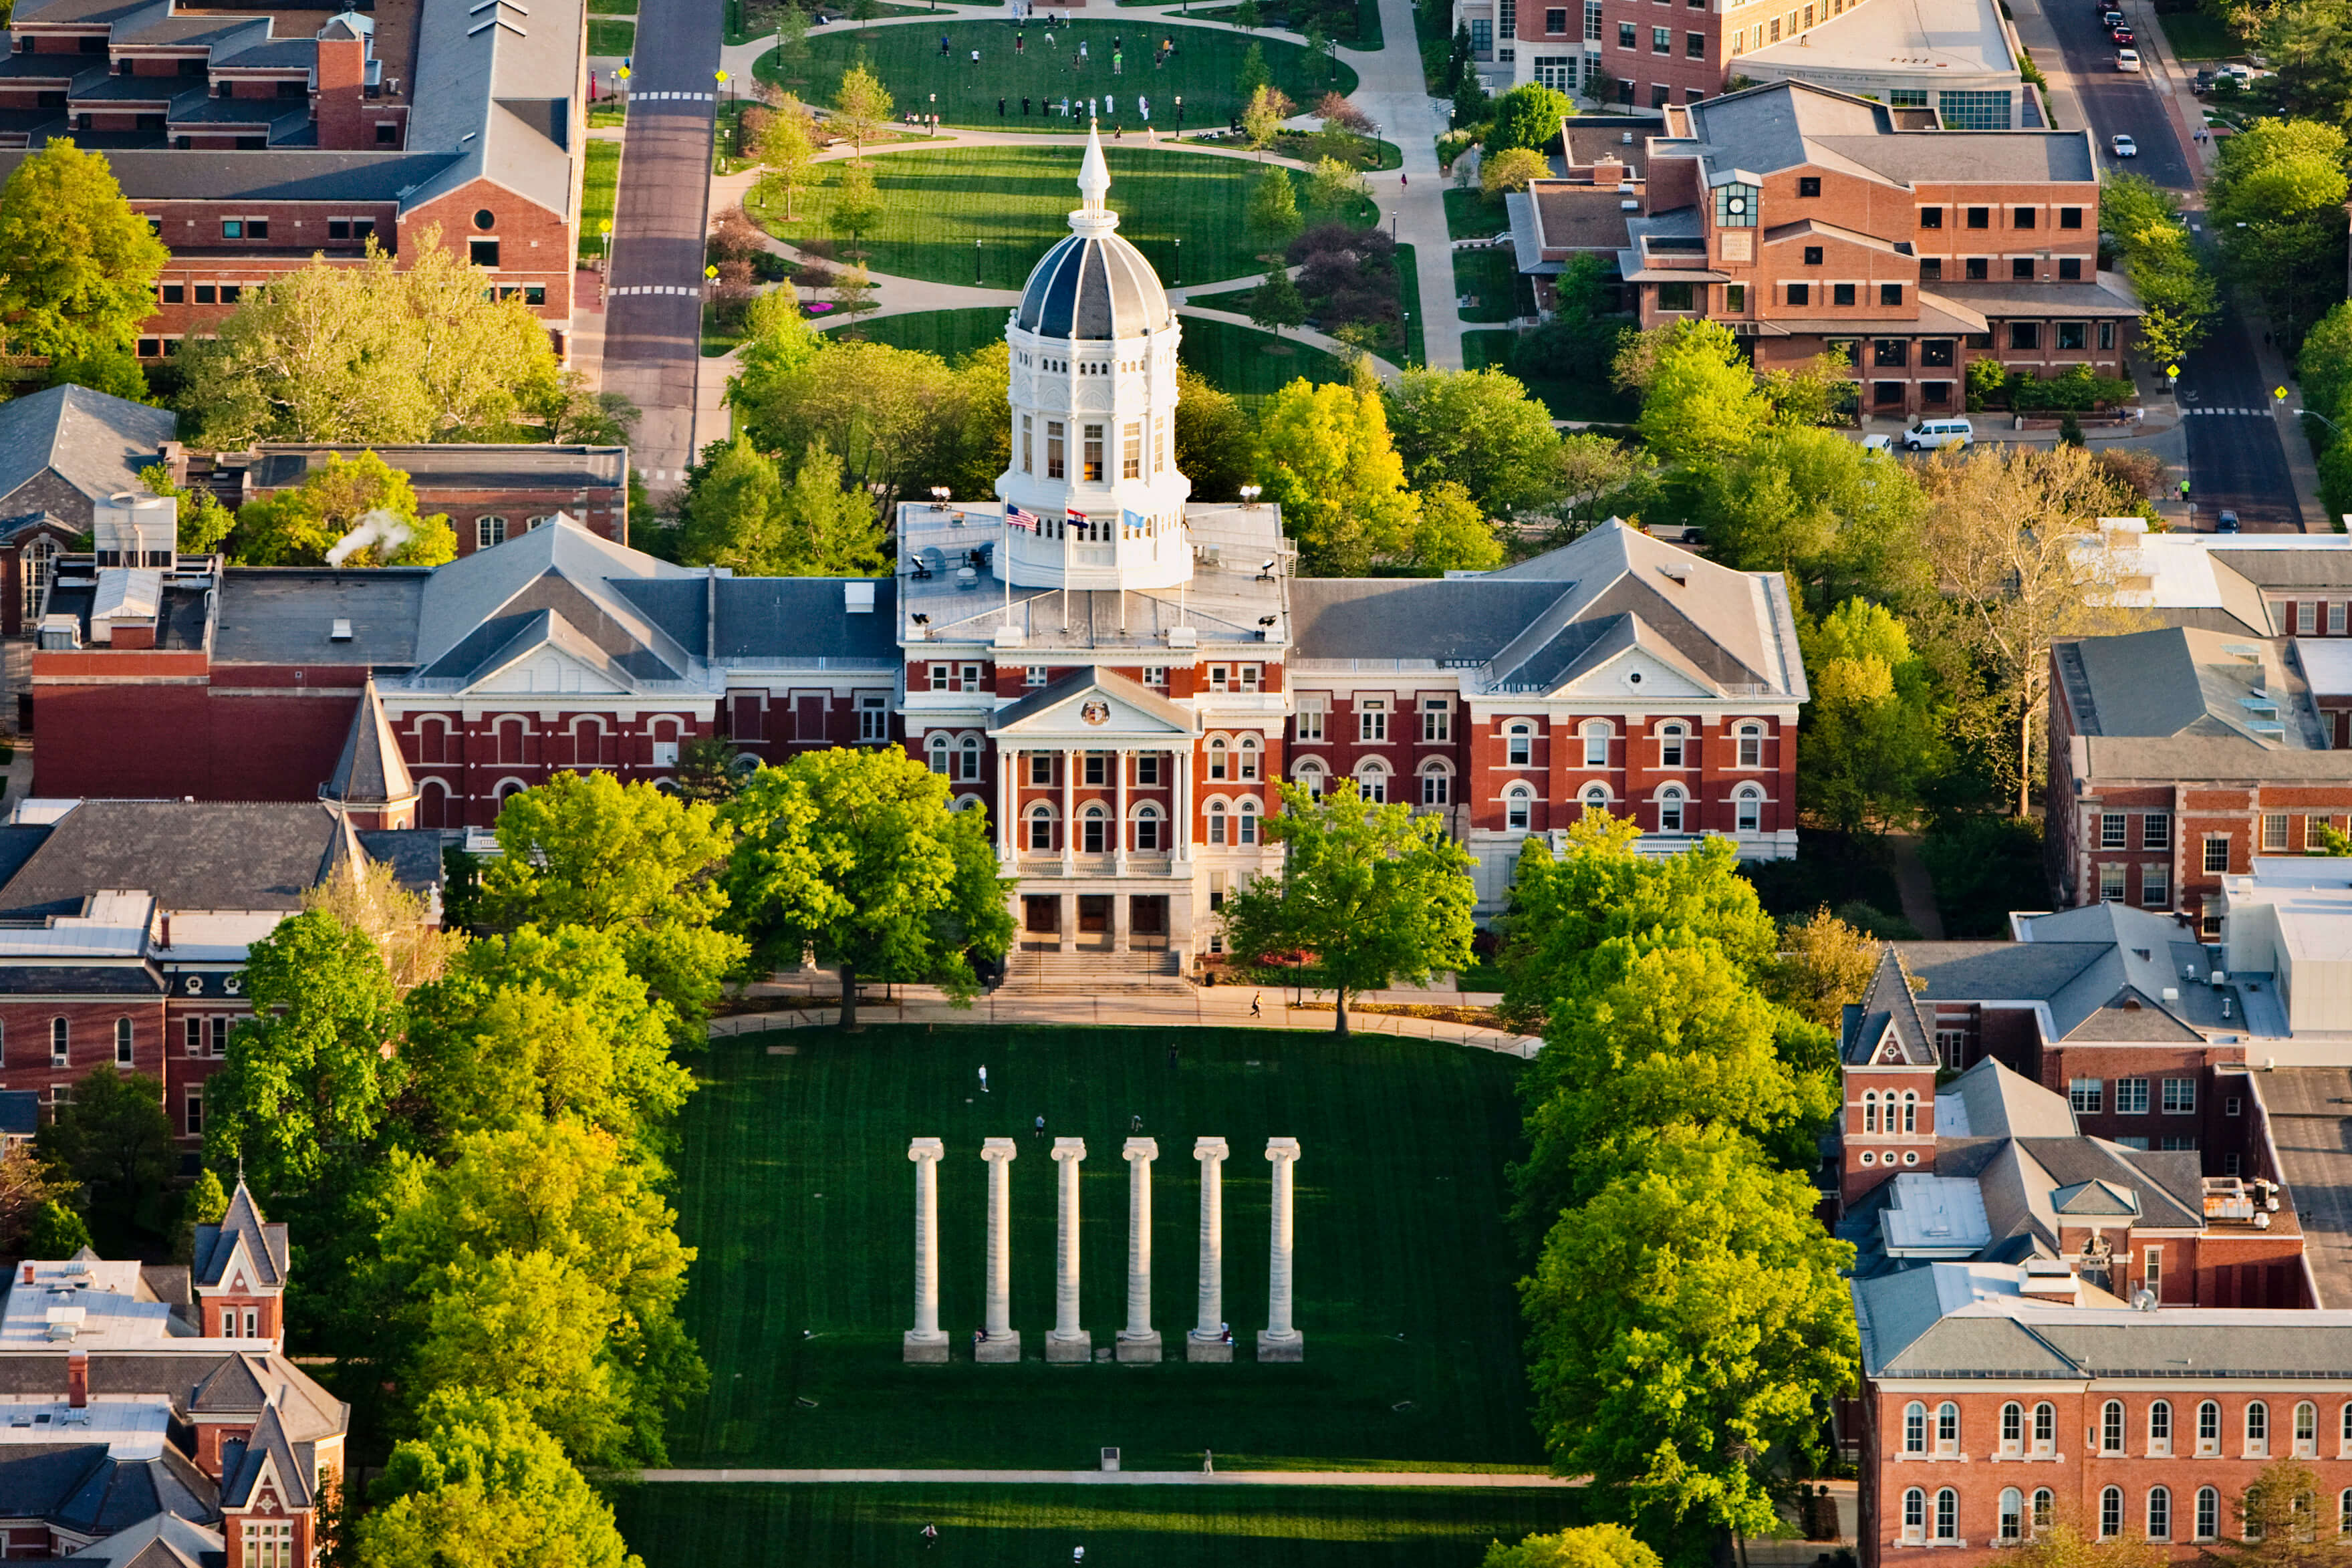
{"x":1090,"y":973}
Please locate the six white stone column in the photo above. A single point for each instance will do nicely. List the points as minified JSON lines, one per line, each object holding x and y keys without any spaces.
{"x":1138,"y":1342}
{"x":999,"y":1342}
{"x":1068,"y":1341}
{"x":1207,"y":1340}
{"x":1280,"y":1339}
{"x":926,"y":1342}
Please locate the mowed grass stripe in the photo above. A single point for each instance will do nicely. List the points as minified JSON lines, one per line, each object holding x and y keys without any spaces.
{"x":1151,"y":1527}
{"x":1400,"y":1197}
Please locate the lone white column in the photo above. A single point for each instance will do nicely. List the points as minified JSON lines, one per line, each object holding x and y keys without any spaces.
{"x":1140,"y":1341}
{"x":1207,"y":1340}
{"x":1068,"y":1342}
{"x":1280,"y":1340}
{"x":998,"y":1341}
{"x":925,"y":1341}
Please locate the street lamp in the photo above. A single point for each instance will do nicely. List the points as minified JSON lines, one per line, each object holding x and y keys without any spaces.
{"x":975,"y":264}
{"x":1178,"y":282}
{"x":1250,"y":494}
{"x":1179,"y":103}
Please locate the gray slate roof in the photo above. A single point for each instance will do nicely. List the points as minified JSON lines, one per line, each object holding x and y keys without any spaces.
{"x":166,"y":1541}
{"x":287,"y":616}
{"x":500,"y":79}
{"x":264,"y":1243}
{"x":369,"y":772}
{"x":1887,"y":1015}
{"x":95,"y":443}
{"x":192,"y":854}
{"x":1787,"y":125}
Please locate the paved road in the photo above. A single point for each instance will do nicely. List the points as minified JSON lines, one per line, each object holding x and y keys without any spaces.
{"x":2237,"y":460}
{"x":1511,"y":1480}
{"x":653,"y":331}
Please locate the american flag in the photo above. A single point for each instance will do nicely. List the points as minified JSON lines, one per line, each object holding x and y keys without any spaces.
{"x":1015,"y":518}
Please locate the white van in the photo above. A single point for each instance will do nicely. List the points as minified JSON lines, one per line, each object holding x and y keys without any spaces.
{"x":1940,"y":433}
{"x":2127,"y":59}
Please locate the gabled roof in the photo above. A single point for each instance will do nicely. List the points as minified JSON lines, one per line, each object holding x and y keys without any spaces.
{"x":478,"y":604}
{"x":369,"y":772}
{"x":267,"y":1457}
{"x":95,"y":443}
{"x":1989,"y":1100}
{"x":235,"y":1386}
{"x":116,"y":1493}
{"x":1062,"y":709}
{"x":192,"y":854}
{"x":165,"y":1540}
{"x":1885,"y":1029}
{"x":216,"y":1245}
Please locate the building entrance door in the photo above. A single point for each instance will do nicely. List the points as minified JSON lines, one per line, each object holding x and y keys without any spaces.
{"x":1094,"y":920}
{"x":1041,"y":921}
{"x":1147,"y":915}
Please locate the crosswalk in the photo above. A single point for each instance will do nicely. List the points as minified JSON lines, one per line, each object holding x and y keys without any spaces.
{"x":2249,"y":412}
{"x":680,"y":97}
{"x":660,"y":289}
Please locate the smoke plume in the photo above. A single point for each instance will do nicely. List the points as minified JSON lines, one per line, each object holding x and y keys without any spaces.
{"x":380,"y":531}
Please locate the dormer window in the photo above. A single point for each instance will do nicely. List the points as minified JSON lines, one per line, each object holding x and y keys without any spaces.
{"x":1734,"y":206}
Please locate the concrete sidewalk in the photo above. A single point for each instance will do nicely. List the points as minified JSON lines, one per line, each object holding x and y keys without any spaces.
{"x":1512,"y":1481}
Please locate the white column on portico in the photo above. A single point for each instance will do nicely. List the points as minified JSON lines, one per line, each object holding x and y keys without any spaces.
{"x":1121,"y":761}
{"x":1207,"y":1340}
{"x":1069,"y":811}
{"x":925,"y":1341}
{"x":1008,"y":799}
{"x":1068,"y":1341}
{"x":1280,"y":1339}
{"x":999,"y":1342}
{"x":1180,"y":856}
{"x":1139,"y":1341}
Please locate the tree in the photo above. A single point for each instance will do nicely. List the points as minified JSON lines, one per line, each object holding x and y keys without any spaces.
{"x":1824,"y":963}
{"x":1342,"y":117}
{"x":852,"y":290}
{"x":1588,"y":470}
{"x":1872,"y":744}
{"x":1451,"y":534}
{"x":203,"y":522}
{"x":529,"y":1328}
{"x":1213,"y":437}
{"x":1511,"y":169}
{"x":1528,"y":116}
{"x":368,"y":896}
{"x":206,"y":1203}
{"x":1579,"y":342}
{"x":1262,"y":118}
{"x":739,"y":513}
{"x":856,"y":205}
{"x":78,"y":264}
{"x":588,"y":850}
{"x":1702,"y":401}
{"x":861,"y":858}
{"x":777,"y":342}
{"x":860,"y":105}
{"x":310,"y":1078}
{"x":481,"y":1472}
{"x":792,"y":32}
{"x":1837,"y":520}
{"x":706,"y":771}
{"x":1324,"y":456}
{"x":733,"y":511}
{"x":1253,"y":77}
{"x":1592,"y":1546}
{"x":28,"y":1185}
{"x":114,"y":372}
{"x":2061,"y":1541}
{"x":787,"y":146}
{"x":348,"y":511}
{"x":1273,"y":218}
{"x":1247,"y":17}
{"x":1374,"y":893}
{"x":1817,"y":391}
{"x":56,"y":1231}
{"x":372,"y":353}
{"x":1331,"y":184}
{"x":1274,"y":303}
{"x":2285,"y":1521}
{"x":1480,"y":429}
{"x":898,"y":418}
{"x":2277,"y":203}
{"x":114,"y":1140}
{"x":1686,"y":1327}
{"x":581,"y":416}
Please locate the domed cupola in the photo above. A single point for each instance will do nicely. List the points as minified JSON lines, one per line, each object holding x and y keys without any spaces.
{"x":1093,"y":395}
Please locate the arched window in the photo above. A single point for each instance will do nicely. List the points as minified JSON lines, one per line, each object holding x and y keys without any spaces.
{"x":2045,"y":1503}
{"x":1749,"y":739}
{"x":1948,"y":1427}
{"x":2258,"y":1429}
{"x":1373,"y":781}
{"x":2208,"y":1513}
{"x":1245,"y":822}
{"x":1147,"y":827}
{"x":1748,"y":803}
{"x":433,"y":805}
{"x":122,"y":1042}
{"x":1218,"y":761}
{"x":1910,"y":1112}
{"x":37,"y":561}
{"x":1309,"y":775}
{"x":1869,"y":1110}
{"x":592,"y":745}
{"x":968,"y":754}
{"x":2111,"y":1427}
{"x":2045,"y":1430}
{"x":2306,"y":1424}
{"x":1915,"y":1516}
{"x":1670,"y":809}
{"x":489,"y":531}
{"x":1596,"y":797}
{"x":433,"y":740}
{"x":1597,"y":734}
{"x":2012,"y":1429}
{"x":2012,"y":1514}
{"x":1519,"y":746}
{"x":509,"y":733}
{"x":2159,"y":1513}
{"x":1672,"y":738}
{"x":1914,"y":1429}
{"x":2208,"y":1427}
{"x":1091,"y":824}
{"x":2344,"y":1434}
{"x":2111,"y":1513}
{"x":1437,"y":783}
{"x":1216,"y":822}
{"x":1518,"y":806}
{"x":1041,"y":829}
{"x":1947,"y":1515}
{"x":1246,"y":758}
{"x":507,"y":790}
{"x":2160,"y":1427}
{"x":2343,"y":1513}
{"x":60,"y":1049}
{"x":936,"y":748}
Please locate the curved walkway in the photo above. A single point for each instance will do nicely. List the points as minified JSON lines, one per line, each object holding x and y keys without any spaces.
{"x":1513,"y":1480}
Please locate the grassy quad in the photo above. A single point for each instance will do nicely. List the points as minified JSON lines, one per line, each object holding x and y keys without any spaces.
{"x":1203,"y":71}
{"x":1016,"y":201}
{"x":1240,"y":359}
{"x":795,"y":1185}
{"x":1133,"y":1527}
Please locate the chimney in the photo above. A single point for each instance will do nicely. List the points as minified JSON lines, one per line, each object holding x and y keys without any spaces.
{"x":167,"y":931}
{"x":28,"y":1274}
{"x":342,"y":95}
{"x":78,"y":1379}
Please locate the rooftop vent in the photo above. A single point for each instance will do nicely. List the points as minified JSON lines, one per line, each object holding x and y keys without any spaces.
{"x":858,"y":598}
{"x":1629,"y":206}
{"x":340,"y":631}
{"x":1626,"y":140}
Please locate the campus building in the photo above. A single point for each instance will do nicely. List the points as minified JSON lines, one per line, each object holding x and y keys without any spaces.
{"x":252,"y":140}
{"x":1812,"y":221}
{"x":149,"y":1414}
{"x":1115,"y":672}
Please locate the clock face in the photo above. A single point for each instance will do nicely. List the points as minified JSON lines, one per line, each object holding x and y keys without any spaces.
{"x":1739,"y":204}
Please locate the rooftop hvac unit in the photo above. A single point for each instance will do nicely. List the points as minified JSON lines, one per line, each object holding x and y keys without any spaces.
{"x":1625,"y":139}
{"x":340,"y":631}
{"x":1629,"y":206}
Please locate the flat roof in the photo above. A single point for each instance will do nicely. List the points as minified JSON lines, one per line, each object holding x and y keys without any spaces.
{"x":1964,"y":36}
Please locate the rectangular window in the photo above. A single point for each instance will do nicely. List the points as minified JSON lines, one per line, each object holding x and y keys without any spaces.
{"x":1482,"y":37}
{"x":1931,"y":269}
{"x":1055,"y":466}
{"x":1673,"y":296}
{"x":1437,"y":721}
{"x":175,"y":293}
{"x":1662,"y":40}
{"x":2111,"y":884}
{"x":1041,"y":769}
{"x":2070,"y":217}
{"x":1809,"y":184}
{"x":1033,"y":675}
{"x":1096,"y":768}
{"x":196,"y":1113}
{"x":1695,"y":46}
{"x":1800,"y":293}
{"x":1310,"y":724}
{"x":1159,"y":444}
{"x":1156,"y":677}
{"x":942,"y":678}
{"x":1980,"y":217}
{"x":207,"y":294}
{"x":1625,"y":35}
{"x":2106,"y":335}
{"x":2025,"y":334}
{"x":2022,"y":217}
{"x":1093,"y":470}
{"x":2274,"y":832}
{"x":2306,"y":617}
{"x":1372,"y":721}
{"x":1977,"y":269}
{"x":1890,"y":351}
{"x":2021,"y":269}
{"x":1028,"y":443}
{"x":1931,"y":218}
{"x":2217,"y":855}
{"x":2156,"y":830}
{"x":1146,"y":768}
{"x":2069,"y":269}
{"x":1593,"y":21}
{"x":1556,"y":20}
{"x":1131,"y":460}
{"x":1813,"y":256}
{"x":873,"y":719}
{"x":194,"y":1031}
{"x":2179,"y":1096}
{"x":2084,"y":1094}
{"x":2131,"y":1097}
{"x":1735,"y":297}
{"x":2155,"y":886}
{"x":1890,"y":293}
{"x":2074,"y":337}
{"x":2336,"y":619}
{"x":483,"y":253}
{"x":2111,"y":830}
{"x":1841,"y":293}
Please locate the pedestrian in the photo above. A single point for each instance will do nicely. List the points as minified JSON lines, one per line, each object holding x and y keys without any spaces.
{"x":975,"y":57}
{"x":1208,"y":1462}
{"x":1020,"y":43}
{"x":983,"y":1078}
{"x":977,"y":1335}
{"x":1224,"y":1333}
{"x":1143,"y":108}
{"x":1092,"y":113}
{"x":1039,"y":1130}
{"x":1065,"y":106}
{"x":1171,"y":1056}
{"x":1254,"y":1011}
{"x":1117,"y":63}
{"x":1077,"y":1554}
{"x":944,"y":51}
{"x":931,"y":1536}
{"x":1404,"y":180}
{"x":1000,"y":108}
{"x":1082,"y":51}
{"x":1117,"y":42}
{"x":1024,"y":106}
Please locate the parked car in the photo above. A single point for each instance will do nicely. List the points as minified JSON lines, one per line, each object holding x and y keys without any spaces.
{"x":1929,"y":433}
{"x":2203,"y":82}
{"x":2227,"y":523}
{"x":2111,"y":18}
{"x":2123,"y":146}
{"x":2127,"y":59}
{"x":2123,"y":36}
{"x":1878,"y":444}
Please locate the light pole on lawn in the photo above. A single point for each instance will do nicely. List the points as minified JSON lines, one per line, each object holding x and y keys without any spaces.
{"x":975,"y":263}
{"x":1178,"y":282}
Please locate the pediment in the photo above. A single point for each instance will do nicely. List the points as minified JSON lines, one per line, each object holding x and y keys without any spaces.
{"x":1638,"y":671}
{"x":1094,"y":711}
{"x":547,"y":669}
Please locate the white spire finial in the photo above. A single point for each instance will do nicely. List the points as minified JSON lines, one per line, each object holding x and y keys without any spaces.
{"x":1094,"y":174}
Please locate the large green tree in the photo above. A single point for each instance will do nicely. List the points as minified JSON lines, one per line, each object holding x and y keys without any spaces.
{"x":585,"y":849}
{"x":78,"y":264}
{"x":1526,"y":116}
{"x":481,"y":1473}
{"x":861,"y":857}
{"x":899,"y":418}
{"x":1480,"y":429}
{"x":1213,"y":437}
{"x":1589,"y":1546}
{"x":364,"y":501}
{"x":741,"y":512}
{"x":1872,"y":744}
{"x":1325,"y":456}
{"x":1835,"y":520}
{"x":2277,"y":203}
{"x":1374,"y":893}
{"x":1700,"y":401}
{"x":114,"y":1139}
{"x":1688,"y":1328}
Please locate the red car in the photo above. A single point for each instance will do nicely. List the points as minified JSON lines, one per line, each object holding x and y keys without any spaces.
{"x":2123,"y":36}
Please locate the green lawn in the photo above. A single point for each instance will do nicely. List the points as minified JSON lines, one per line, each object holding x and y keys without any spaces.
{"x":1016,"y":201}
{"x":1566,"y":399}
{"x":951,"y":334}
{"x":1131,"y":1527}
{"x":2194,"y":36}
{"x":1203,"y":71}
{"x":1470,"y":215}
{"x":1492,"y":277}
{"x":611,"y":7}
{"x":599,"y":184}
{"x":1248,"y":362}
{"x":795,"y":1185}
{"x":611,"y":36}
{"x":1408,"y":266}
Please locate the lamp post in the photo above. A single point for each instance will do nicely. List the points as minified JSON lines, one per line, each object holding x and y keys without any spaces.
{"x":1250,"y":494}
{"x":1179,"y":99}
{"x":975,"y":264}
{"x":1179,"y":280}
